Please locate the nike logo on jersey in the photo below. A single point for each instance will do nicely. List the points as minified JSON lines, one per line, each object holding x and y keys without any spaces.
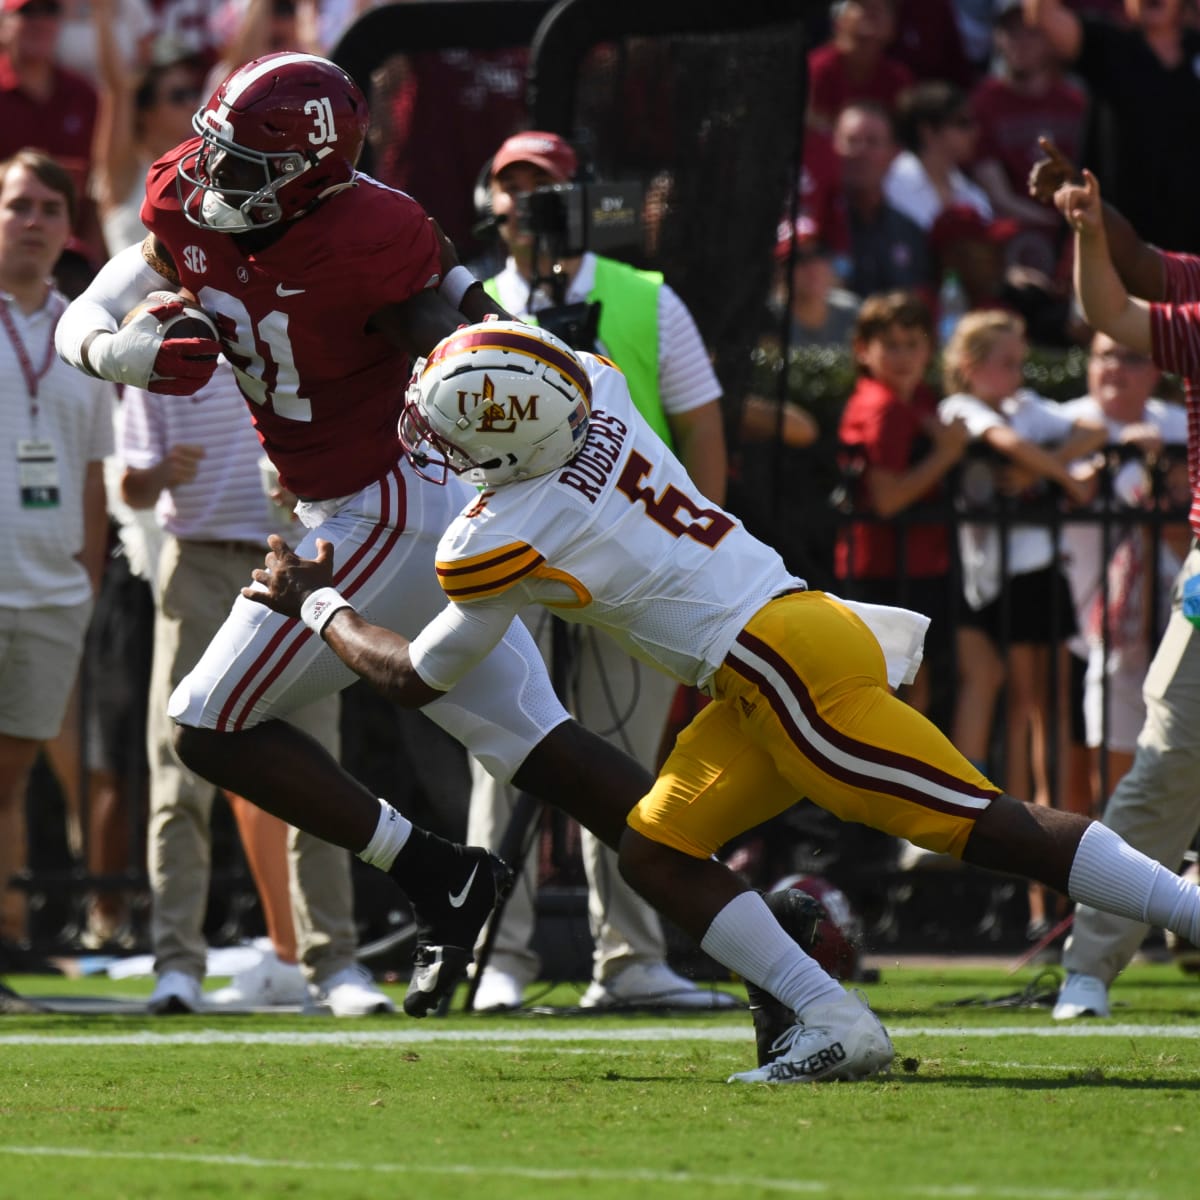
{"x":457,"y":901}
{"x":280,"y":290}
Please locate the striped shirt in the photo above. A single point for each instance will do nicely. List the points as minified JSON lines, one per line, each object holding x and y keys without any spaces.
{"x":1175,"y":334}
{"x":38,"y":546}
{"x":226,"y":501}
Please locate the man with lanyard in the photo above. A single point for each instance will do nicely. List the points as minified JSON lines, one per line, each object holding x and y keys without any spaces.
{"x":647,"y":330}
{"x":55,"y":428}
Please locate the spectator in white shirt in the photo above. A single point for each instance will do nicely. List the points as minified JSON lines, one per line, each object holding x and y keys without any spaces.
{"x":938,"y":129}
{"x":57,"y":428}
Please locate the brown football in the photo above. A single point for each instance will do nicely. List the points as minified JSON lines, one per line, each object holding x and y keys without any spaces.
{"x":193,"y":322}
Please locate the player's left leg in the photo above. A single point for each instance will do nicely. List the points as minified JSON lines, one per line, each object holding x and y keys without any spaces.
{"x":715,"y":783}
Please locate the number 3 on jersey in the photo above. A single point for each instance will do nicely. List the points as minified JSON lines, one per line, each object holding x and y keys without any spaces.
{"x":261,"y":355}
{"x":704,"y":525}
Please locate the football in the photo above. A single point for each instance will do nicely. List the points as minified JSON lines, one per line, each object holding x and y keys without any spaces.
{"x":835,"y":938}
{"x":193,"y":322}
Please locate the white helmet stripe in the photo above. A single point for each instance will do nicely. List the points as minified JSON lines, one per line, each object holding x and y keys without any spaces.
{"x":242,"y":79}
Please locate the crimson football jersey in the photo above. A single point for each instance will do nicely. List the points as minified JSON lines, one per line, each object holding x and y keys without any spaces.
{"x":324,"y":393}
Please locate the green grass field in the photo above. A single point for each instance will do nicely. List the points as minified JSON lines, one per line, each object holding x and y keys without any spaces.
{"x":984,"y":1102}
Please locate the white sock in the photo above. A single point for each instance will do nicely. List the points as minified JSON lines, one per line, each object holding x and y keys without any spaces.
{"x":1109,"y":874}
{"x":388,"y":839}
{"x":745,"y":937}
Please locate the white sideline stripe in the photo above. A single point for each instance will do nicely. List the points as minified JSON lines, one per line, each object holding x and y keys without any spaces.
{"x":633,"y":1175}
{"x":507,"y":1037}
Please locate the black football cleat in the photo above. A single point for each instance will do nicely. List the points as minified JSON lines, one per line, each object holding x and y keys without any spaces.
{"x":448,"y":928}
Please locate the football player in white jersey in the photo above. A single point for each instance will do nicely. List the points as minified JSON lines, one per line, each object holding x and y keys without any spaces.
{"x":586,"y":511}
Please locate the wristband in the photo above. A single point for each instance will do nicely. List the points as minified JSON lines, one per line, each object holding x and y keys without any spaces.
{"x":456,"y":284}
{"x":318,"y":609}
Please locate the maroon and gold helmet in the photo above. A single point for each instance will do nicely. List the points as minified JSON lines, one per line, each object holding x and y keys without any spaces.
{"x":279,"y":135}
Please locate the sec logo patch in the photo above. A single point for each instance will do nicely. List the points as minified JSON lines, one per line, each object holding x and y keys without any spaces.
{"x":195,"y":259}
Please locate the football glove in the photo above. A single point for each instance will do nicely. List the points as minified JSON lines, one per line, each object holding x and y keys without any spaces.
{"x":144,"y":355}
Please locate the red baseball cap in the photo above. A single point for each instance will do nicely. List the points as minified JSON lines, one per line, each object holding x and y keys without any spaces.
{"x":961,"y":222}
{"x":542,"y":149}
{"x":805,"y":234}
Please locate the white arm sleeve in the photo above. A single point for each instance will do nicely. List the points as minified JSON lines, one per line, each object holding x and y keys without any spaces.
{"x":457,"y":639}
{"x":123,"y":281}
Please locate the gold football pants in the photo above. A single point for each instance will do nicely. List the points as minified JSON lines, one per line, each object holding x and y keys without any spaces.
{"x":802,"y":708}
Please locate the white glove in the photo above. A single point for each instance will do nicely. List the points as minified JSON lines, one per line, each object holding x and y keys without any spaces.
{"x":142,"y":354}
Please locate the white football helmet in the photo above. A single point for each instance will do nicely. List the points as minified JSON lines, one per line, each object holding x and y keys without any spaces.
{"x":497,"y":401}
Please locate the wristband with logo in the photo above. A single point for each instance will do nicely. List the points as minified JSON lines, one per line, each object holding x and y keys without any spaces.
{"x":318,"y":610}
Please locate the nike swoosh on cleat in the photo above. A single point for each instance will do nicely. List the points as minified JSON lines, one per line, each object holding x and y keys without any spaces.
{"x":280,"y":290}
{"x":457,"y":901}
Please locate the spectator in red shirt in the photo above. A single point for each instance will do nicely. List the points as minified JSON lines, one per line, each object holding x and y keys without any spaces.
{"x":853,"y":64}
{"x":928,"y":42}
{"x":1026,"y":100}
{"x":900,"y":452}
{"x":42,"y":106}
{"x":820,"y":184}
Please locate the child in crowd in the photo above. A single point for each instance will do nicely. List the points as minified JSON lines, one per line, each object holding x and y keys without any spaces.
{"x":1018,"y":614}
{"x":899,"y":449}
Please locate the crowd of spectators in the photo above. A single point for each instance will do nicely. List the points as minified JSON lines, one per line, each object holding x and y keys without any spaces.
{"x":934,"y":116}
{"x":923,"y":123}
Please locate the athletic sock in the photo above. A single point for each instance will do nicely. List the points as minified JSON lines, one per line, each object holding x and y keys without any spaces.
{"x":389,"y":838}
{"x":428,"y":866}
{"x":1109,"y":874}
{"x":745,"y":937}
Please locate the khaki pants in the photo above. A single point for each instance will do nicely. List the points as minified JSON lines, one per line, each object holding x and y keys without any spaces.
{"x":1156,"y":806}
{"x":627,"y":703}
{"x":198,"y":581}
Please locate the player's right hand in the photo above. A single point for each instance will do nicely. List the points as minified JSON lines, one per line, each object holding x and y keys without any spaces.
{"x":139,"y":354}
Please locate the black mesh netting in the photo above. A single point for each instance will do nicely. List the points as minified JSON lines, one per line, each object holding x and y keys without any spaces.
{"x":709,"y":124}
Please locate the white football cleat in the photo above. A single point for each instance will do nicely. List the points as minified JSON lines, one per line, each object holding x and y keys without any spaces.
{"x":841,"y":1040}
{"x":350,"y":992}
{"x":270,"y":983}
{"x":652,"y":985}
{"x":1081,"y":996}
{"x":175,"y":992}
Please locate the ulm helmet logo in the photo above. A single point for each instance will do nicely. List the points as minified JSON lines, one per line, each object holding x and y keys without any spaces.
{"x":493,"y":416}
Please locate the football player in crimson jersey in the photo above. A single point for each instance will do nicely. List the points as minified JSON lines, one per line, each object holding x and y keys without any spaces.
{"x":588,"y":512}
{"x":323,"y":282}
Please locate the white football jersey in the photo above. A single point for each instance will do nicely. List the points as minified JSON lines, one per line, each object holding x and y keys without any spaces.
{"x":620,"y":538}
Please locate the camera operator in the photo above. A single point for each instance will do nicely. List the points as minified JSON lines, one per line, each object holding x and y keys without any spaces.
{"x":632,"y":317}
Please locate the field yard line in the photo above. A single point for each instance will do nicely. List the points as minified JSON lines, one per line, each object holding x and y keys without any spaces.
{"x":633,"y":1175}
{"x":397,"y":1037}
